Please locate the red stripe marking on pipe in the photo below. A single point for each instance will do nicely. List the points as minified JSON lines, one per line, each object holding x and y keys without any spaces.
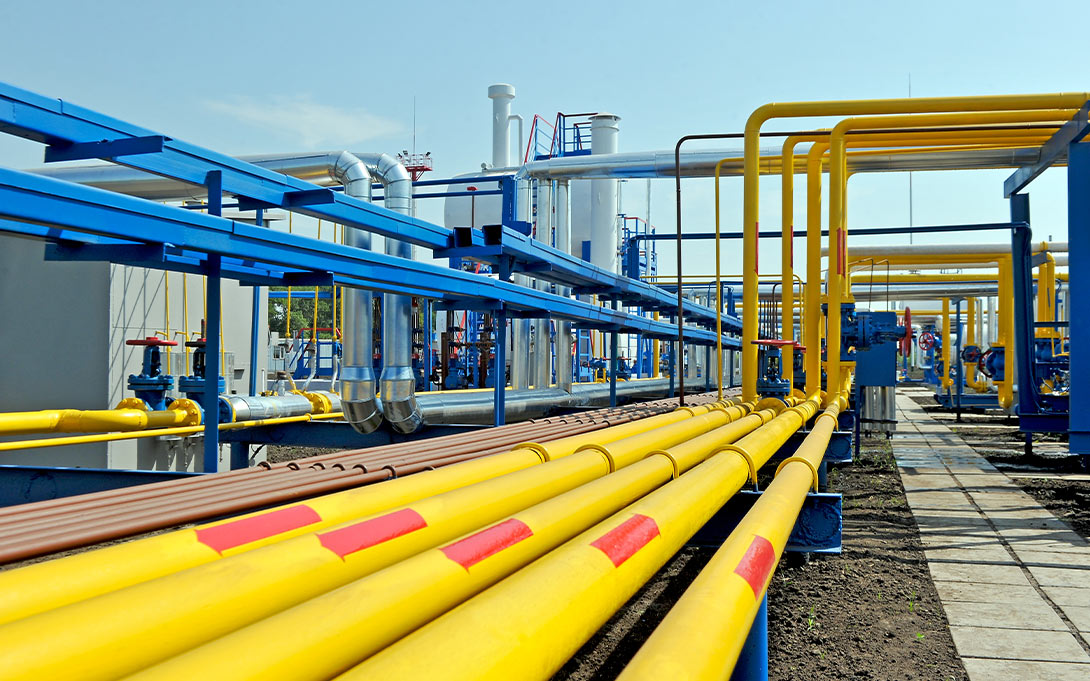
{"x":757,"y":563}
{"x":246,"y":530}
{"x":362,"y":535}
{"x":488,"y":542}
{"x":623,"y":541}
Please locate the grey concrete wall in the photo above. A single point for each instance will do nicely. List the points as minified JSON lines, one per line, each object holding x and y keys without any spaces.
{"x":63,"y":327}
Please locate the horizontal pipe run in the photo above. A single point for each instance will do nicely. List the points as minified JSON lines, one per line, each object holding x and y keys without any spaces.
{"x":186,"y":609}
{"x":528,"y":625}
{"x":328,"y":634}
{"x":711,"y":620}
{"x":44,"y":586}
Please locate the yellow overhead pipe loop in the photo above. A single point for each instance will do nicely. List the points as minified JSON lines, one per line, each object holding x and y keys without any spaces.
{"x":131,"y":414}
{"x":752,"y":160}
{"x":703,"y":634}
{"x":44,"y":586}
{"x":970,"y":368}
{"x":328,"y":634}
{"x":838,"y":251}
{"x":186,"y":609}
{"x":527,"y":626}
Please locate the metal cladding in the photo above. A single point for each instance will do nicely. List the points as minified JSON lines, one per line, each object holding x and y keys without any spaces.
{"x":234,"y":408}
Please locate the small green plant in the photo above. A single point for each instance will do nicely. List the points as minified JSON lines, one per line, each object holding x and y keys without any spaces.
{"x":919,"y":636}
{"x":912,"y":602}
{"x":879,"y":595}
{"x":811,"y":620}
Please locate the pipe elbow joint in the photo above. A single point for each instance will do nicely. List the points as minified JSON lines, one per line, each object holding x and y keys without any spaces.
{"x":359,"y":400}
{"x":399,"y":405}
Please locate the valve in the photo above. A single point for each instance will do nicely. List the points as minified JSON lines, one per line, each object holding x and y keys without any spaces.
{"x":992,"y":363}
{"x":971,"y":353}
{"x":770,"y":380}
{"x":193,"y":385}
{"x":926,"y":341}
{"x":152,"y":385}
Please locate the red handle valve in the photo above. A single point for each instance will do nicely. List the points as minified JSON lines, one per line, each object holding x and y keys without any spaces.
{"x":151,"y":340}
{"x":927,"y":340}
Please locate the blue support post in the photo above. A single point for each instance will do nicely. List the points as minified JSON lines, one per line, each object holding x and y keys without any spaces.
{"x":752,"y":664}
{"x":425,"y":305}
{"x":255,"y":325}
{"x":613,"y":365}
{"x":499,"y":320}
{"x":673,"y":364}
{"x":1078,"y":236}
{"x":213,"y":268}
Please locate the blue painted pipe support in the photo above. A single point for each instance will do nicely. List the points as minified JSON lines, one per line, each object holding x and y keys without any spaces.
{"x":753,"y":662}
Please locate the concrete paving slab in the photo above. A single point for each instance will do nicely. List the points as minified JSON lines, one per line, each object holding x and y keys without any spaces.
{"x":1018,"y":644}
{"x":981,"y":554}
{"x":986,"y":593}
{"x":1079,"y":616}
{"x":1067,"y":595}
{"x":979,"y":574}
{"x":983,"y":669}
{"x":1025,"y":614}
{"x":1078,"y":559}
{"x":1052,"y":576}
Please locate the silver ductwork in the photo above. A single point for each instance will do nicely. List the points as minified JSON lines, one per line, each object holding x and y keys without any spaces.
{"x":360,"y":401}
{"x":397,"y":384}
{"x":476,"y":407}
{"x":253,"y":408}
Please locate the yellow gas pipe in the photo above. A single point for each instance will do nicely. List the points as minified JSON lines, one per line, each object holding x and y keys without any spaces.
{"x":186,"y":609}
{"x":970,"y":368}
{"x":131,"y":414}
{"x":328,"y":634}
{"x":52,"y":584}
{"x":712,"y":619}
{"x":838,"y":252}
{"x":527,"y":626}
{"x":751,"y":167}
{"x":947,"y":382}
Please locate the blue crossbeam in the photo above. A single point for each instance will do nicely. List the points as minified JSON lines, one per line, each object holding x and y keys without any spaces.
{"x":25,"y":197}
{"x":62,"y":125}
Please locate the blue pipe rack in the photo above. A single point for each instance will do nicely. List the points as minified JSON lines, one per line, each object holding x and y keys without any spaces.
{"x":81,"y":223}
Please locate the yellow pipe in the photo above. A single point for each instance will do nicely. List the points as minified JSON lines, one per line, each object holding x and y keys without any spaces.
{"x":656,"y":356}
{"x":328,"y":634}
{"x":751,"y":168}
{"x":703,"y":634}
{"x":814,"y":327}
{"x":1046,"y":288}
{"x":970,"y":368}
{"x":718,"y":287}
{"x":186,"y":609}
{"x":913,"y":278}
{"x":838,"y":273}
{"x":44,"y":586}
{"x":126,"y":417}
{"x":527,"y":626}
{"x":787,"y":255}
{"x":947,"y":382}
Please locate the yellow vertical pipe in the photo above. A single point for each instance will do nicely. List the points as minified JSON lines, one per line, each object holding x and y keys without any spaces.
{"x":947,"y":382}
{"x":787,"y":254}
{"x":1046,"y":286}
{"x":656,"y":356}
{"x":814,"y":326}
{"x":185,"y":316}
{"x":751,"y":176}
{"x":1005,"y":331}
{"x":970,"y":339}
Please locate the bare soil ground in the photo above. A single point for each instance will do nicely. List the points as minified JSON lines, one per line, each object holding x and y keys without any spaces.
{"x":869,"y":613}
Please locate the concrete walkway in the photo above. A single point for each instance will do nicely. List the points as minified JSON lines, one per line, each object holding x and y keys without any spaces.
{"x":1013,"y":579}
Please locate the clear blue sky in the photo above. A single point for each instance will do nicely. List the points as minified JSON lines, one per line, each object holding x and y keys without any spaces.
{"x":263,"y":76}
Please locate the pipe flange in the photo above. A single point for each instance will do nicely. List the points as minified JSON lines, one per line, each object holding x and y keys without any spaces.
{"x":133,"y":403}
{"x":193,"y":411}
{"x":319,"y":403}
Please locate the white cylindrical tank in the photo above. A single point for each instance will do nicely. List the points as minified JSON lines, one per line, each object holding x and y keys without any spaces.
{"x":604,"y":130}
{"x":501,"y":95}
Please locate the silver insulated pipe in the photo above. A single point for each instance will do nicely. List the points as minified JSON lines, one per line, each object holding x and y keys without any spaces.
{"x":397,"y":383}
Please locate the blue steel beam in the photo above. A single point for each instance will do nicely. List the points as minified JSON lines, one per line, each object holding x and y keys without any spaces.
{"x":62,"y":125}
{"x":25,"y":197}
